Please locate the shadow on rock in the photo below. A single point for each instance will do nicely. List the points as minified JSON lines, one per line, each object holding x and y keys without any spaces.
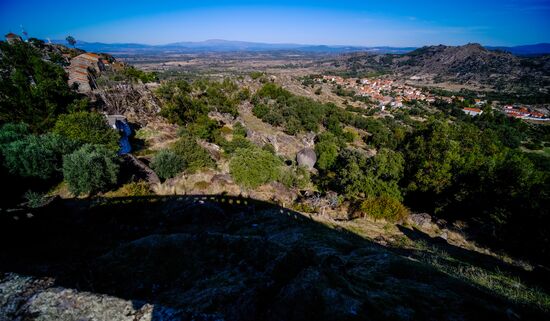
{"x":215,"y":258}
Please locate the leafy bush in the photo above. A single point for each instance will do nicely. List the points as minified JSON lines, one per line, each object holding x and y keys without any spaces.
{"x":297,"y":177}
{"x":90,"y":169}
{"x":244,"y":94}
{"x":182,"y":109}
{"x":87,"y":128}
{"x":327,"y":150}
{"x":237,"y":142}
{"x":256,"y":74}
{"x":239,"y":130}
{"x":270,"y":148}
{"x":431,"y":155}
{"x":195,"y":157}
{"x":135,"y":74}
{"x":167,"y":164}
{"x":79,"y":105}
{"x":133,"y":189}
{"x":203,"y":127}
{"x":35,"y":199}
{"x":384,"y":207}
{"x":261,"y":110}
{"x":36,"y":156}
{"x":11,"y":132}
{"x":225,"y":131}
{"x":252,"y":167}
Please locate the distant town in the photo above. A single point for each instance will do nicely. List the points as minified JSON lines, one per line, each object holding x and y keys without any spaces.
{"x":391,"y":93}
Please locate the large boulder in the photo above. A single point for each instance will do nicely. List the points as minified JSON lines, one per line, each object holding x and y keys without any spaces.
{"x":307,"y":158}
{"x":422,"y":220}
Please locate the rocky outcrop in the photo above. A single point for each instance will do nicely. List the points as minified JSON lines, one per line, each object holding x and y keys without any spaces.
{"x":216,"y":257}
{"x":307,"y":158}
{"x":422,"y":220}
{"x":31,"y":298}
{"x":151,"y":177}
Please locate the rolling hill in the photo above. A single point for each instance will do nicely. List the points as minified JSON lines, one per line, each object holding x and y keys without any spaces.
{"x":469,"y":65}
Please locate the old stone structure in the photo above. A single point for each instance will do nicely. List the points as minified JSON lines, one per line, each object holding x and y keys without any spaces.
{"x":83,"y":69}
{"x":12,"y":37}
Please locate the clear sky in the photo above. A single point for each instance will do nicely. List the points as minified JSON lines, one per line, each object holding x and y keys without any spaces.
{"x":365,"y":22}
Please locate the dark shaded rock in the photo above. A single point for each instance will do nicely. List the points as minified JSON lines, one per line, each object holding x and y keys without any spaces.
{"x":221,"y":258}
{"x":422,"y":220}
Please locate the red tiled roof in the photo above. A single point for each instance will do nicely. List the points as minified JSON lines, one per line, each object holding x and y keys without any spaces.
{"x":477,"y":110}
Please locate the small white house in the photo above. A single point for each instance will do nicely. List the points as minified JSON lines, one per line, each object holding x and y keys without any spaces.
{"x":472,"y":111}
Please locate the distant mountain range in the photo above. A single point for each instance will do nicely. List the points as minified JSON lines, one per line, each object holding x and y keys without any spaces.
{"x":217,"y":45}
{"x":527,"y":50}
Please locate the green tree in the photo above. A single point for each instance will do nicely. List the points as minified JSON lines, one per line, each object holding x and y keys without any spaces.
{"x":327,"y":150}
{"x":87,"y":128}
{"x":167,"y":164}
{"x":252,"y":167}
{"x":431,"y":155}
{"x":71,"y":40}
{"x":33,"y":90}
{"x":90,"y":169}
{"x":11,"y":132}
{"x":359,"y":176}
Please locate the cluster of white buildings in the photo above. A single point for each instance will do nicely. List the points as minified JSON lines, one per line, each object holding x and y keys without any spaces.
{"x":524,"y":112}
{"x":384,"y":91}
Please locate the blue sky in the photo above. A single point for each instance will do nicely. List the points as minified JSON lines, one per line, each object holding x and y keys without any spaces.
{"x":366,"y":22}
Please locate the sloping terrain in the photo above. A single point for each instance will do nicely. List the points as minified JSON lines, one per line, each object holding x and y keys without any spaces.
{"x":217,"y":258}
{"x":470,"y":64}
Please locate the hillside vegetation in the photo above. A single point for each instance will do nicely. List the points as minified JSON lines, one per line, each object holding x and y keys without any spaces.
{"x":278,"y":206}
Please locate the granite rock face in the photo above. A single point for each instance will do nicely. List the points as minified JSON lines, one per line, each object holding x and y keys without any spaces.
{"x":423,"y":220}
{"x":206,"y":257}
{"x":31,"y":298}
{"x":307,"y":158}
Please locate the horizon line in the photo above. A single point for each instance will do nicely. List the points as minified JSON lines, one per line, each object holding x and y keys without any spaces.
{"x":292,"y":43}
